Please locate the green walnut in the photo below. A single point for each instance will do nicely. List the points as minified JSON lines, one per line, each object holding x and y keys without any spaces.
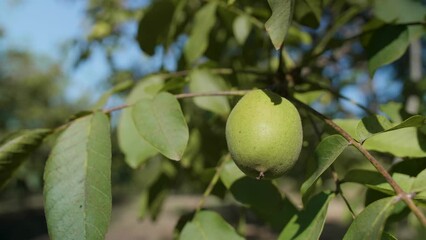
{"x":264,"y":134}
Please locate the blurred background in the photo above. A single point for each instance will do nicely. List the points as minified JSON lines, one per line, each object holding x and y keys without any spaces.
{"x":57,"y":57}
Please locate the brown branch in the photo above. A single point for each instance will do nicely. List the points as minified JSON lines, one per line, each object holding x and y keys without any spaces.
{"x":398,"y":190}
{"x":221,"y":71}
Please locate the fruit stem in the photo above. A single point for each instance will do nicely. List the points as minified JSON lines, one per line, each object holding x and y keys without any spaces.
{"x":261,"y":176}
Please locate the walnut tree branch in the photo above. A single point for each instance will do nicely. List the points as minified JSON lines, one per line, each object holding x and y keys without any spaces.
{"x":379,"y":167}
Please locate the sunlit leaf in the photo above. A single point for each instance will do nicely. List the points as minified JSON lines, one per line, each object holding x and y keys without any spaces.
{"x":404,"y":142}
{"x":15,"y":147}
{"x":308,"y":223}
{"x":280,"y":20}
{"x":414,"y":121}
{"x":370,"y":222}
{"x":399,"y":11}
{"x":230,"y":173}
{"x":419,"y":184}
{"x":77,"y":190}
{"x":198,"y":41}
{"x":325,"y":154}
{"x":386,"y":44}
{"x":136,"y":149}
{"x":205,"y":81}
{"x":241,"y":28}
{"x":392,"y":110}
{"x":208,"y":225}
{"x":160,"y":121}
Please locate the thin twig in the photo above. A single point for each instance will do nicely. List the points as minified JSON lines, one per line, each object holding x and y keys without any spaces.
{"x":398,"y":190}
{"x":340,"y":192}
{"x":188,"y":95}
{"x":213,"y":182}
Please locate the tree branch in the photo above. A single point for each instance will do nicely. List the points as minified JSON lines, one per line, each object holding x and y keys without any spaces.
{"x":398,"y":190}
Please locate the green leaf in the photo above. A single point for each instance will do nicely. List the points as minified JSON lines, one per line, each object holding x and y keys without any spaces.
{"x":15,"y":147}
{"x":160,"y":121}
{"x":154,"y":25}
{"x":371,"y":125}
{"x":387,"y":44}
{"x":77,"y":189}
{"x":230,"y":173}
{"x":363,"y":177}
{"x":419,"y":184}
{"x":241,"y":28}
{"x":136,"y":149}
{"x":202,"y":80}
{"x":399,"y":11}
{"x":280,"y":20}
{"x":265,"y":199}
{"x":392,"y":110}
{"x":208,"y":225}
{"x":414,"y":121}
{"x":309,"y":223}
{"x":370,"y":222}
{"x":198,"y":40}
{"x":117,"y":88}
{"x":404,"y":142}
{"x":326,"y":153}
{"x":308,"y":12}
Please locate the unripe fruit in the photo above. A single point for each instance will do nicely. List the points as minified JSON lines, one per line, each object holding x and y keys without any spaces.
{"x":264,"y":134}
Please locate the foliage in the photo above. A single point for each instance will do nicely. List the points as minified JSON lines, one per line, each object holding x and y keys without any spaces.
{"x":306,"y":51}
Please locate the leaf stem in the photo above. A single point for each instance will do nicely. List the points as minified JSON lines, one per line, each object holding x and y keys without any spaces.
{"x":379,"y":167}
{"x":213,"y":182}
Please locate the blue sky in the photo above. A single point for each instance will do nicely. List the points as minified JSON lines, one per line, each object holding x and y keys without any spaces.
{"x":44,"y":29}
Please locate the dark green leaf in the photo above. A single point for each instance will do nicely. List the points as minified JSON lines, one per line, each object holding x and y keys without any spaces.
{"x":264,"y":198}
{"x":205,"y":81}
{"x":371,"y":125}
{"x":326,"y":153}
{"x":363,"y":177}
{"x":208,"y":225}
{"x":15,"y":147}
{"x":370,"y":222}
{"x":160,"y":121}
{"x":308,"y":12}
{"x":136,"y":149}
{"x":388,"y":236}
{"x":280,"y":20}
{"x":77,"y":190}
{"x":386,"y":45}
{"x":308,"y":224}
{"x":198,"y":41}
{"x":399,"y":11}
{"x":154,"y":25}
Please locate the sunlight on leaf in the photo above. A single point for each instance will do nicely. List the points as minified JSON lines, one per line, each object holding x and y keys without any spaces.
{"x":280,"y":21}
{"x":160,"y":122}
{"x":77,"y":190}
